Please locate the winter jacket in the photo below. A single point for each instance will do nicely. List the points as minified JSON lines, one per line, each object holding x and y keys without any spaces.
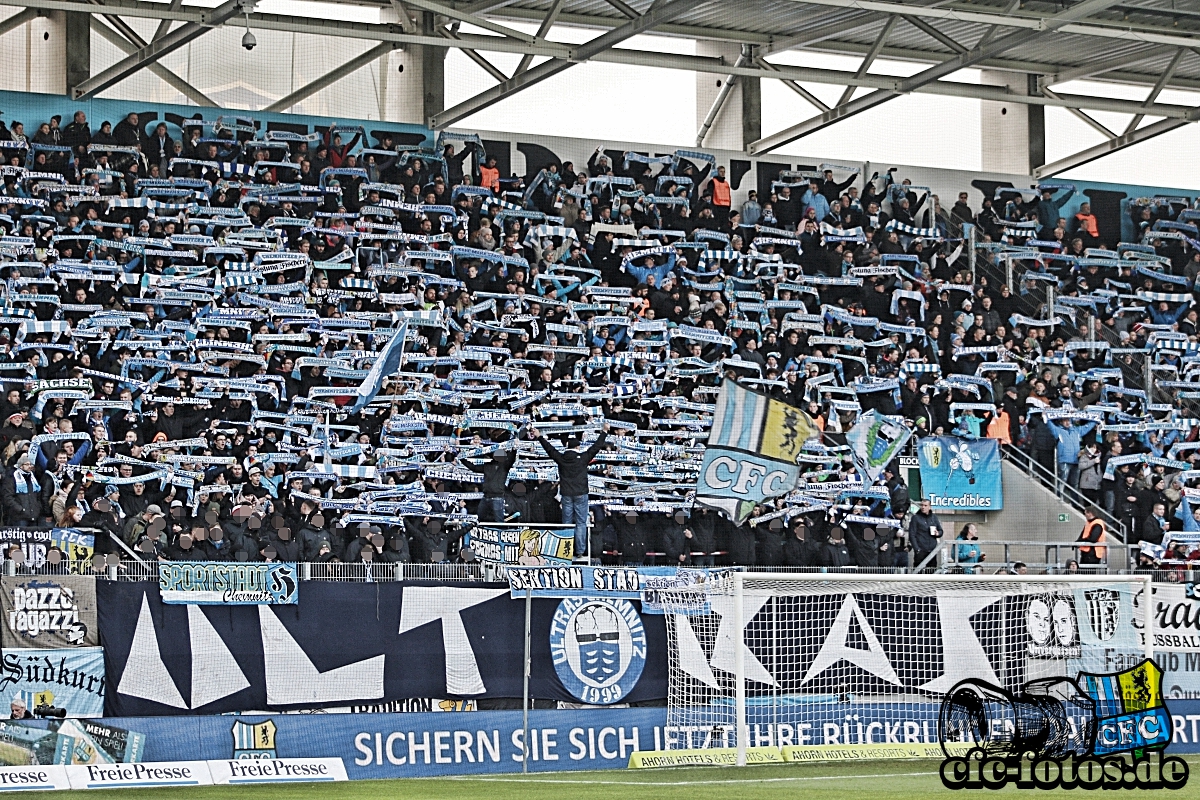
{"x":21,"y":498}
{"x":572,"y":466}
{"x":920,"y":532}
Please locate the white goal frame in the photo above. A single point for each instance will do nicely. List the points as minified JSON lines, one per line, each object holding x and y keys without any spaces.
{"x":740,"y":580}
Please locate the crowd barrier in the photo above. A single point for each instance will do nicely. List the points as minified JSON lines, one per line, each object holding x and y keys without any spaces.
{"x":347,"y":644}
{"x":329,"y":747}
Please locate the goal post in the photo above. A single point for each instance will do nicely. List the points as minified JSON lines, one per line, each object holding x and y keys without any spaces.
{"x":777,"y":666}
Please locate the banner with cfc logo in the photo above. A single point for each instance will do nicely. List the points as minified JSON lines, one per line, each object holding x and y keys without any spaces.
{"x":49,"y":611}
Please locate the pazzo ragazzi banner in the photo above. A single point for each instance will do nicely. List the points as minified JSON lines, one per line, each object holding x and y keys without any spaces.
{"x":960,"y":474}
{"x":70,"y":679}
{"x":35,"y":543}
{"x":511,"y":545}
{"x":49,"y":611}
{"x":204,"y":583}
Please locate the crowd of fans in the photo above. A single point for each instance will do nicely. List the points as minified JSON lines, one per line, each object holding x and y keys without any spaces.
{"x":189,"y":314}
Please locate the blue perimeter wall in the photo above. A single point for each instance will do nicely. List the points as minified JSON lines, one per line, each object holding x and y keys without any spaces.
{"x":460,"y":743}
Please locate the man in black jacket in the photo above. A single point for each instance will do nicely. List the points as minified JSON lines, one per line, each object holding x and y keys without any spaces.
{"x":573,"y":482}
{"x":20,"y":493}
{"x":495,"y":482}
{"x":924,"y":532}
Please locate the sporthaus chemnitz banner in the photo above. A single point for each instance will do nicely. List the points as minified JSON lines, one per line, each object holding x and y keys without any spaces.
{"x":353,"y":644}
{"x":214,"y":583}
{"x":541,"y":545}
{"x":960,"y":474}
{"x":49,"y":611}
{"x":70,"y":679}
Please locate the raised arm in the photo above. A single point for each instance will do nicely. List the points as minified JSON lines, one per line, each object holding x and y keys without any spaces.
{"x":590,"y":453}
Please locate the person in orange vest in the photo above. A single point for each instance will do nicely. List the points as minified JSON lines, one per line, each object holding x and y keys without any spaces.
{"x":1086,"y":225}
{"x":1001,"y":426}
{"x":722,"y":197}
{"x":1094,"y":534}
{"x":489,"y":175}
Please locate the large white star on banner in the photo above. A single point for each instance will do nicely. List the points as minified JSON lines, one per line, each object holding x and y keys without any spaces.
{"x":215,"y":672}
{"x":873,"y":659}
{"x":424,"y":604}
{"x":145,"y":675}
{"x":962,"y":654}
{"x":691,"y":655}
{"x":293,"y":679}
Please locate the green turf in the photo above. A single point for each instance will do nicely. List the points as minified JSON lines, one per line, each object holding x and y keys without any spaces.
{"x":876,"y":780}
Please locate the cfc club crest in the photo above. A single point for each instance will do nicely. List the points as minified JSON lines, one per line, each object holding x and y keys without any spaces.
{"x":598,"y":647}
{"x":1104,"y":612}
{"x":255,"y":740}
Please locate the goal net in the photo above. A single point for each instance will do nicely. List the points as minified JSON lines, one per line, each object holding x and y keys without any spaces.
{"x":858,"y":660}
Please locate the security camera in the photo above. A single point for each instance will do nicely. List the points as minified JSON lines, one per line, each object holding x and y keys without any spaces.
{"x":248,"y":40}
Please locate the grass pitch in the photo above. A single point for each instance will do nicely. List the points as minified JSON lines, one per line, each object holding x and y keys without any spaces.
{"x":878,"y":780}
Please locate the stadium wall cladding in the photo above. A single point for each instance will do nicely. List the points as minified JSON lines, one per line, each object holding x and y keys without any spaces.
{"x":459,"y":743}
{"x":527,"y":154}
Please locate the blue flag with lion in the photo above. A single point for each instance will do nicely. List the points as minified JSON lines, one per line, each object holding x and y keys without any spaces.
{"x":751,"y":453}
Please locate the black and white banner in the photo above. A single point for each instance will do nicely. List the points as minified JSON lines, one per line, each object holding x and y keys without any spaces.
{"x":348,"y":644}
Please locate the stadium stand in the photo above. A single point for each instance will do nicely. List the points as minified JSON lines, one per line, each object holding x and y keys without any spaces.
{"x":197,"y":321}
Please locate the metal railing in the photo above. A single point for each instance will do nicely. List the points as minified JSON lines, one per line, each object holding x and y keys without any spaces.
{"x":1053,"y":560}
{"x":1051,"y":557}
{"x":380,"y":572}
{"x":1064,"y":491}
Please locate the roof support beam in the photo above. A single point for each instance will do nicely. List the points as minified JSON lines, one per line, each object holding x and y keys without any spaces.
{"x":470,"y":19}
{"x":548,"y":69}
{"x":1076,"y":24}
{"x":867,"y":60}
{"x":331,"y":77}
{"x":154,"y":51}
{"x":1156,"y":90}
{"x":165,"y":25}
{"x":933,"y":74}
{"x":628,"y":11}
{"x":483,"y":63}
{"x":1100,"y":67}
{"x":1089,"y":119}
{"x":17,"y":20}
{"x":934,"y":33}
{"x":791,"y":84}
{"x":810,"y":37}
{"x":484,"y":6}
{"x":719,"y":102}
{"x":543,"y":32}
{"x":1109,"y":147}
{"x":123,"y":41}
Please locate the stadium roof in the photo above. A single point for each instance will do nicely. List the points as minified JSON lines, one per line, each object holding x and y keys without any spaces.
{"x":1147,"y":43}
